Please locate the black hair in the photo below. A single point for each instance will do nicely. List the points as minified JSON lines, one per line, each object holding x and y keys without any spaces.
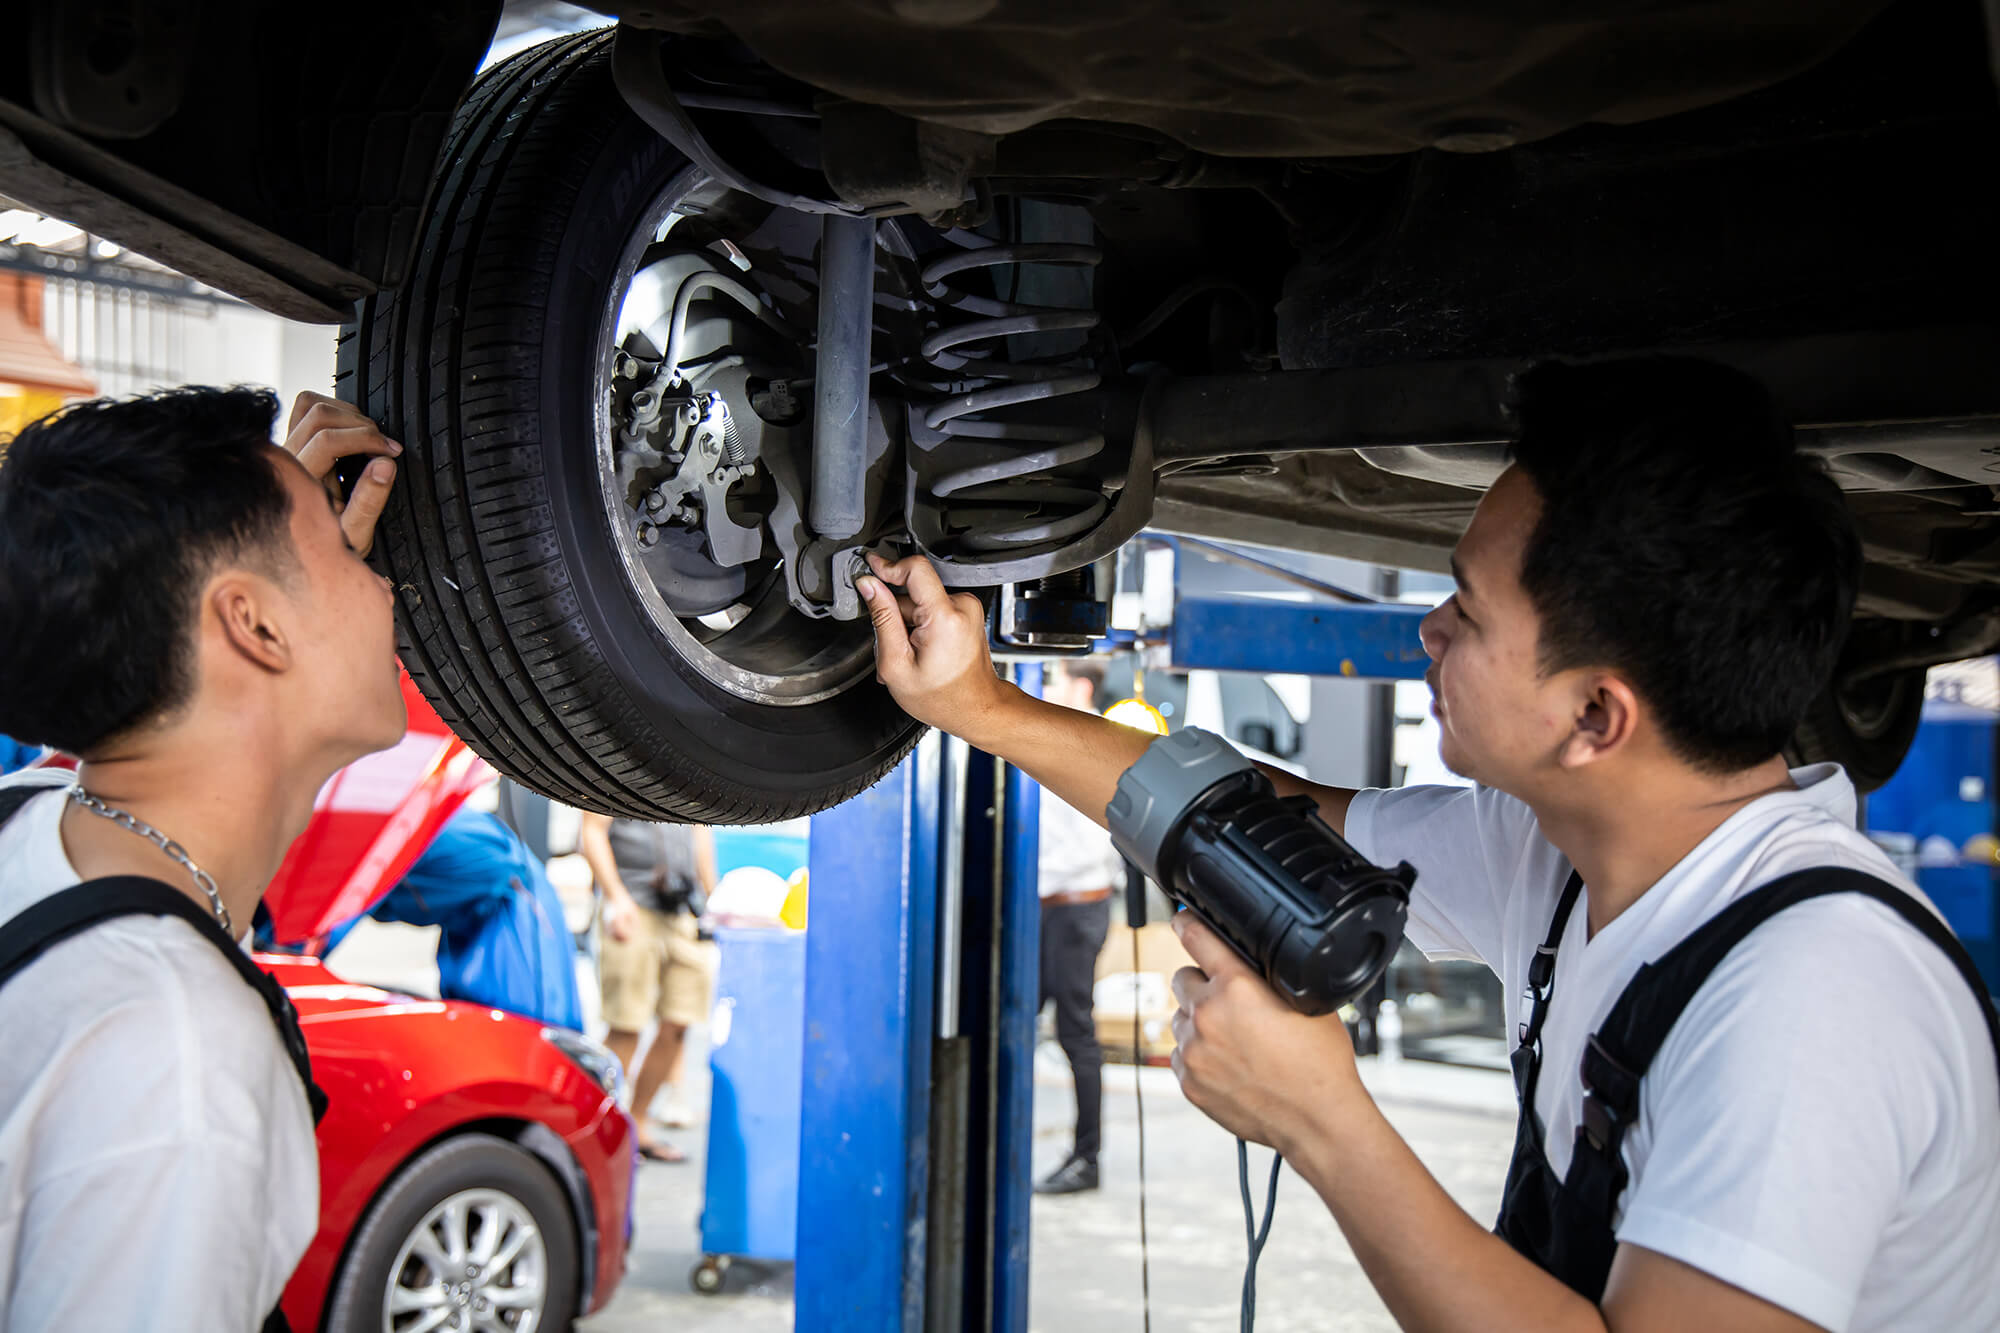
{"x":1684,"y":543}
{"x":1084,"y":668}
{"x":113,"y":515}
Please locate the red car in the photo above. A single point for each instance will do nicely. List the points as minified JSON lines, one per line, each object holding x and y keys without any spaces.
{"x":475,"y":1167}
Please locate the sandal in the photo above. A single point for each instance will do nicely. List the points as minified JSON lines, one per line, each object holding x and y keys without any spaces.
{"x":661,"y":1152}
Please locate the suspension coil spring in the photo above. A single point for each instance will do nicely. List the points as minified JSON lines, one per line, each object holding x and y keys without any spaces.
{"x":1007,"y":501}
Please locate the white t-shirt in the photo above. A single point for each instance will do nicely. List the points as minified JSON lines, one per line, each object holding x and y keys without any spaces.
{"x":157,"y":1165}
{"x":1822,"y":1126}
{"x":1076,"y":855}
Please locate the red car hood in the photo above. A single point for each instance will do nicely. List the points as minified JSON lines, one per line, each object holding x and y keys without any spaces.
{"x":369,"y":823}
{"x":321,"y":996}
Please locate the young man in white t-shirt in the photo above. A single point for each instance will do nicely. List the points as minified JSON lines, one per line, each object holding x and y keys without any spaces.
{"x":187,"y":610}
{"x":1647,"y":601}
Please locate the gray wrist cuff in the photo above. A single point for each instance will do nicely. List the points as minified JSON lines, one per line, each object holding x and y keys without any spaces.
{"x":1154,"y":793}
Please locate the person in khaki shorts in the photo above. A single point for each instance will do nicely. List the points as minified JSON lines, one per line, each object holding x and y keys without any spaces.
{"x":656,"y":879}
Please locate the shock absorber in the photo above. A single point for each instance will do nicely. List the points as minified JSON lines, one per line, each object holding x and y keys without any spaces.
{"x":1002,"y":500}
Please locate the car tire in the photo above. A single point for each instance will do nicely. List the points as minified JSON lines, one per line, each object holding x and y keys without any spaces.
{"x":509,"y":1181}
{"x":517,"y":614}
{"x":1866,"y":730}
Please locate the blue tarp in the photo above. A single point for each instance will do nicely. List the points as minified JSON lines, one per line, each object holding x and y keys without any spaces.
{"x":504,"y":943}
{"x":13,"y":754}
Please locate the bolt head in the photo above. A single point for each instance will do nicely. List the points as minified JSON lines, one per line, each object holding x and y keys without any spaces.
{"x":648,"y":535}
{"x":655,"y":502}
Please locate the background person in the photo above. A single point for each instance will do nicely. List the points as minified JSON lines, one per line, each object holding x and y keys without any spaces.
{"x":653,"y":963}
{"x":1077,"y":869}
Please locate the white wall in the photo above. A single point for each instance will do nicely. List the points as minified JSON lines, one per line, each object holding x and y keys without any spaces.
{"x":132,"y":342}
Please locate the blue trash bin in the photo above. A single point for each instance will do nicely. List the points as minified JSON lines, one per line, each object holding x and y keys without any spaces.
{"x":756,"y":1060}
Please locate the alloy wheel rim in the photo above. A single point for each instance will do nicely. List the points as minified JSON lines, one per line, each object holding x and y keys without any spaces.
{"x":759,"y":649}
{"x":476,"y":1263}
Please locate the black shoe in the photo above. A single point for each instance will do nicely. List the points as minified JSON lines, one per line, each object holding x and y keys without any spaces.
{"x":1072,"y":1177}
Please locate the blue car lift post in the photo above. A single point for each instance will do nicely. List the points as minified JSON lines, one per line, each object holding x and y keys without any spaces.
{"x":922,"y":991}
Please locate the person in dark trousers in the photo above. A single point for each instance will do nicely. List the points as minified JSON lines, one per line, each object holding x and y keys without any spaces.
{"x":1076,"y":870}
{"x":653,"y":964}
{"x":1757,"y":1073}
{"x":185,"y":607}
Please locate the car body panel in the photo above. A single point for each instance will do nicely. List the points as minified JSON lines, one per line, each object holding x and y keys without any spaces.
{"x":401,"y":1072}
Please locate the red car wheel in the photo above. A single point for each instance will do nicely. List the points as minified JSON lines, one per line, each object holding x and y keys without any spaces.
{"x":473,"y":1236}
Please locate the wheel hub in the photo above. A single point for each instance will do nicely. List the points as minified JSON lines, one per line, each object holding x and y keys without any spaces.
{"x":476,"y":1261}
{"x":704,"y":440}
{"x":681,"y":455}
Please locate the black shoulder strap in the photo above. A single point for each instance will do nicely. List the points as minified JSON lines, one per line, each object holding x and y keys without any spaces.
{"x":14,"y":797}
{"x":55,"y":918}
{"x":1527,"y":1054}
{"x":1618,"y":1056}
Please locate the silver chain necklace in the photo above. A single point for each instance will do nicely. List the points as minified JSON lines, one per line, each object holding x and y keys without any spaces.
{"x":133,"y":824}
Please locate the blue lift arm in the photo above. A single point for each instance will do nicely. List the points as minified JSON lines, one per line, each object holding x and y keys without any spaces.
{"x":1377,"y":641}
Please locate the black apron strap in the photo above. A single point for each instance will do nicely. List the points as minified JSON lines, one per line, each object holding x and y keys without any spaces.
{"x":1618,"y":1056}
{"x":55,"y":918}
{"x":1566,"y":1227}
{"x":12,"y":798}
{"x":1527,"y":1055}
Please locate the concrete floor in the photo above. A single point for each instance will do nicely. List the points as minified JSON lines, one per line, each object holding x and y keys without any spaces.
{"x":1085,"y":1266}
{"x":1085,"y":1258}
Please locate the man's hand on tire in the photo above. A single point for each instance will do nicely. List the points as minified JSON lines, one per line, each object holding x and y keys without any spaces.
{"x":930,"y":648}
{"x":320,"y":433}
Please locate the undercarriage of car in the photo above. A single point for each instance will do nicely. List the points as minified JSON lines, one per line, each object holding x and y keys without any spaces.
{"x":680,"y":317}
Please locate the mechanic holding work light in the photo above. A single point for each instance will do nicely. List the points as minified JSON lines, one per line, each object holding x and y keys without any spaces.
{"x":1647,"y":600}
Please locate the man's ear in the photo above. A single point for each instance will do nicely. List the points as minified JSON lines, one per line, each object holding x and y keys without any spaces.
{"x":1606,"y":714}
{"x":243,"y":609}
